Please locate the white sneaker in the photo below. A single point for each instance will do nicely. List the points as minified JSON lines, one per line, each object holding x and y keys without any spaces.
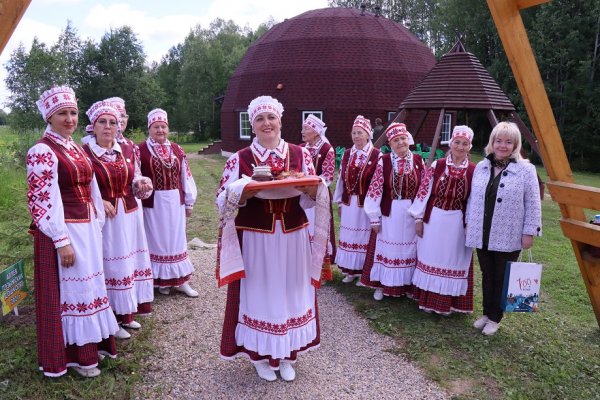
{"x":87,"y":372}
{"x":286,"y":370}
{"x":480,"y":323}
{"x":264,"y":371}
{"x":378,"y":295}
{"x":164,"y":290}
{"x":133,"y":325}
{"x":187,"y":289}
{"x":490,"y":328}
{"x":348,"y":278}
{"x":122,"y":334}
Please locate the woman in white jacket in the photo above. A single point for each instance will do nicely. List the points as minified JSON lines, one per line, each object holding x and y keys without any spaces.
{"x":503,"y":215}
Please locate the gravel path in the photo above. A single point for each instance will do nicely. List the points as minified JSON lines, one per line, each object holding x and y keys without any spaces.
{"x":352,"y":362}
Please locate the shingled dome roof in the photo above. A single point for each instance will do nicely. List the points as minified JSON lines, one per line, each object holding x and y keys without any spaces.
{"x":335,"y":60}
{"x":457,"y":82}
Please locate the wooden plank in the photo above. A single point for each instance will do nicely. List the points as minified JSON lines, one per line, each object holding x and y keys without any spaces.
{"x":581,"y":231}
{"x":436,"y":137}
{"x":492,"y":118}
{"x":527,"y":75}
{"x":11,"y":12}
{"x":530,"y":137}
{"x":574,"y":194}
{"x":530,"y":3}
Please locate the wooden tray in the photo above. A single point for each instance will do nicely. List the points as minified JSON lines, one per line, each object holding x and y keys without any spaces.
{"x":282,"y":189}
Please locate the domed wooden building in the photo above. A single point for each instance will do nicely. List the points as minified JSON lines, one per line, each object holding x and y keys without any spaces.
{"x":332,"y":62}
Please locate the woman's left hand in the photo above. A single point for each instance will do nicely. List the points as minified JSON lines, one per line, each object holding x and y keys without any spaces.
{"x":526,"y":241}
{"x":109,"y":210}
{"x":308,"y":190}
{"x":188,"y":212}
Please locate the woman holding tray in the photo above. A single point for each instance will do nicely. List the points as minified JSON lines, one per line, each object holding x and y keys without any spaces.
{"x":265,"y":252}
{"x":392,"y":191}
{"x":356,"y":171}
{"x":503,"y":215}
{"x":323,"y":158}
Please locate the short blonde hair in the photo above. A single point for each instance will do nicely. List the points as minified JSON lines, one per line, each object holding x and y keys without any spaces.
{"x":511,"y":130}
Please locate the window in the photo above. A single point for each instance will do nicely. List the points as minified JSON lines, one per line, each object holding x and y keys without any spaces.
{"x":245,"y":127}
{"x":318,"y":114}
{"x":391,"y":115}
{"x":446,"y":128}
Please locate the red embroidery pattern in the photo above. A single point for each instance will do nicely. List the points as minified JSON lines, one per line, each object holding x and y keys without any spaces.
{"x":398,"y":243}
{"x":355,"y":229}
{"x":310,"y":168}
{"x":277,"y":329}
{"x":38,"y":195}
{"x":396,"y":262}
{"x":169,"y":259}
{"x":87,"y":278}
{"x":451,"y":190}
{"x":126,"y":281}
{"x":376,"y":188}
{"x":424,"y":188}
{"x":329,"y":166}
{"x":146,"y":274}
{"x":443,"y":272}
{"x":127,"y":256}
{"x":84,"y":307}
{"x":40,"y":158}
{"x":230,"y":166}
{"x":353,"y":246}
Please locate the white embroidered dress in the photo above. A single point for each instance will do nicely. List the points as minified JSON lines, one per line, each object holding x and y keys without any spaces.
{"x":396,"y":245}
{"x":277,"y":302}
{"x":355,"y":226}
{"x":165,"y":223}
{"x":86,"y":315}
{"x":127,"y":268}
{"x":443,"y":259}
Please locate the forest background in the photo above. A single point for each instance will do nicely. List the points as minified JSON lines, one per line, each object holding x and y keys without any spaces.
{"x":190,"y":80}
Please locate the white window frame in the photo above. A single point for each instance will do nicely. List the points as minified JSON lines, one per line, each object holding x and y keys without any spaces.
{"x":390,"y":115}
{"x":318,"y":114}
{"x":245,"y":127}
{"x":446,"y":132}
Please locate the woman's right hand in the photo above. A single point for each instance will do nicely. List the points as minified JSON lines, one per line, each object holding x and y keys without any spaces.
{"x":339,"y":211}
{"x":67,"y":256}
{"x":109,"y":210}
{"x":247,"y":194}
{"x":419,"y":228}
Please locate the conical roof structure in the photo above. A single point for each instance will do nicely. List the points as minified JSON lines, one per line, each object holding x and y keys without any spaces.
{"x":457,"y":82}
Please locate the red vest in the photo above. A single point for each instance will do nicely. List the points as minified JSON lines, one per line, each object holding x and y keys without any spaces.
{"x":74,"y":178}
{"x":449,"y":193}
{"x":115,"y":178}
{"x":410,"y":182}
{"x":320,"y":158}
{"x":163,"y":178}
{"x":260,"y":214}
{"x":357,"y":181}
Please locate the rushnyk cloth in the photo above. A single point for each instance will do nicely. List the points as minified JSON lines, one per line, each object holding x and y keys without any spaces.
{"x":230,"y":265}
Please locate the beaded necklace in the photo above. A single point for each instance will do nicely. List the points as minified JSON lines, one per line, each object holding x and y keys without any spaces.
{"x":162,"y":156}
{"x":399,"y":174}
{"x":358,"y":176}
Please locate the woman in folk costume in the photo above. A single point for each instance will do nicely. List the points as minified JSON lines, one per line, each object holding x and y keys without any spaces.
{"x":167,"y":207}
{"x":323,"y":158}
{"x":143,"y":283}
{"x":443,"y":278}
{"x":125,"y":250}
{"x":392,"y":191}
{"x":265,"y":253}
{"x":74,"y":321}
{"x":356,"y":170}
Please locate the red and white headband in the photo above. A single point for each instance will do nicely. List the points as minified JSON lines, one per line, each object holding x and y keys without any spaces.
{"x":398,"y":129}
{"x":315,"y":124}
{"x":363,"y":123}
{"x":157,"y":115}
{"x":100,"y":108}
{"x":263,"y":104}
{"x":55,"y":99}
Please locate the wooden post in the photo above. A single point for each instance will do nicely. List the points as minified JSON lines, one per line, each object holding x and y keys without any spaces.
{"x":522,"y":61}
{"x":10,"y":15}
{"x":492,"y":118}
{"x":436,"y":137}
